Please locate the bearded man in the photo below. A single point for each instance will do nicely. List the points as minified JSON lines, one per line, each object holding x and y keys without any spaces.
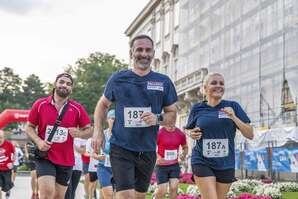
{"x":54,"y":171}
{"x":140,"y":95}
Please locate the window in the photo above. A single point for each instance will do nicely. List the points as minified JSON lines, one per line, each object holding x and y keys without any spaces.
{"x":176,"y":14}
{"x":167,"y":23}
{"x":157,"y":32}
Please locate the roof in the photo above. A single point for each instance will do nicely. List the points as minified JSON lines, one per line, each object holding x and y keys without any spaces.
{"x":147,"y":10}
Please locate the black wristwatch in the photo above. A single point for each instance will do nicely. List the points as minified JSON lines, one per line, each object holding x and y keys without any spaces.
{"x":159,"y":119}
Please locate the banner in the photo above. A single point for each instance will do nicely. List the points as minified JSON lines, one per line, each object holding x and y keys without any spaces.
{"x":256,"y":160}
{"x":285,"y":160}
{"x":293,"y":156}
{"x":237,"y":159}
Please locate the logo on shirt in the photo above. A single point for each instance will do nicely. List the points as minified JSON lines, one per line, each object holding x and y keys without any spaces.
{"x":222,"y":114}
{"x":155,"y":86}
{"x":3,"y":157}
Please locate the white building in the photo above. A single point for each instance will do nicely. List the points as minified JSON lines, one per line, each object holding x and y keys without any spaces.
{"x":160,"y":20}
{"x":254,"y":43}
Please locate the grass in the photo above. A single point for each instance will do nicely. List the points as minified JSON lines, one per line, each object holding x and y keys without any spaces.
{"x":289,"y":195}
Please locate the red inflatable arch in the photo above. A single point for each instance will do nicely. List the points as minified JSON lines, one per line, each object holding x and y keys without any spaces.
{"x":13,"y":115}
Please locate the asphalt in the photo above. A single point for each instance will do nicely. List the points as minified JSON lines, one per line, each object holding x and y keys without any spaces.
{"x":22,"y":189}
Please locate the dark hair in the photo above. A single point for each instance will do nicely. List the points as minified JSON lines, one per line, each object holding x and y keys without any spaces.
{"x":67,"y":75}
{"x":140,"y":37}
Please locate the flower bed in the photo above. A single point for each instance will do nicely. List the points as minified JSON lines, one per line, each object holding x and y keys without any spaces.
{"x":242,"y":189}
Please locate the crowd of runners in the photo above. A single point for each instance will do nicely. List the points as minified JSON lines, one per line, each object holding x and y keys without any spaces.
{"x":139,"y":112}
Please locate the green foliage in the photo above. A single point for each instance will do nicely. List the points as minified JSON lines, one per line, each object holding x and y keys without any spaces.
{"x":32,"y":90}
{"x":90,"y":76}
{"x":16,"y":93}
{"x":10,"y":89}
{"x":23,"y":167}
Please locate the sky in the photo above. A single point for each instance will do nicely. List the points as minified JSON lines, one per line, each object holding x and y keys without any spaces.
{"x":45,"y":36}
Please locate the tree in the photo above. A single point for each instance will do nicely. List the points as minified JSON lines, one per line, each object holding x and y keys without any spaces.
{"x":10,"y":89}
{"x":90,"y":77}
{"x":32,"y":90}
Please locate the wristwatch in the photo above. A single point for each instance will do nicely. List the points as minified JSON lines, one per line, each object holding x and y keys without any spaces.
{"x":159,"y":119}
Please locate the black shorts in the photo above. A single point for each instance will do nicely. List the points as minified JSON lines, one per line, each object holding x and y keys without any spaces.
{"x":62,"y":174}
{"x":5,"y":180}
{"x":14,"y":168}
{"x":222,"y":176}
{"x":131,"y":170}
{"x":31,"y":165}
{"x":85,"y":168}
{"x":164,"y":173}
{"x":93,"y":176}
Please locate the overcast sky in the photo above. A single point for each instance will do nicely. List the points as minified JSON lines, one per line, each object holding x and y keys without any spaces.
{"x":44,"y":36}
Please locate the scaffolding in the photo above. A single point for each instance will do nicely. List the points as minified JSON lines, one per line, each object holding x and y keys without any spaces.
{"x":254,"y":44}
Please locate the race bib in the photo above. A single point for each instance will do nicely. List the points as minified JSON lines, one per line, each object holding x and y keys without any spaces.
{"x":171,"y":155}
{"x":215,"y":148}
{"x":107,"y":161}
{"x":132,"y":116}
{"x":60,"y":135}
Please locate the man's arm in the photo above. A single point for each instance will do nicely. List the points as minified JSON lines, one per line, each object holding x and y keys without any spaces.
{"x":101,"y":109}
{"x":169,"y":116}
{"x":31,"y":133}
{"x":184,"y":152}
{"x":84,"y":133}
{"x":26,"y":151}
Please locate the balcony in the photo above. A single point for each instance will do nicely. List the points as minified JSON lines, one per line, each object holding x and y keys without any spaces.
{"x":191,"y":81}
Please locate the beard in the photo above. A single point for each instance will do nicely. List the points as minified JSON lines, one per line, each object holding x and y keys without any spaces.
{"x":143,"y":64}
{"x":62,"y":92}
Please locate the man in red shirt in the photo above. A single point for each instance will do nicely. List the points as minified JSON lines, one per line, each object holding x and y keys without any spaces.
{"x":7,"y":156}
{"x":55,"y":170}
{"x":169,"y":139}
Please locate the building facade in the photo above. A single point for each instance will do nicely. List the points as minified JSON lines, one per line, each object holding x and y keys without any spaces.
{"x":253,"y":43}
{"x":161,"y":20}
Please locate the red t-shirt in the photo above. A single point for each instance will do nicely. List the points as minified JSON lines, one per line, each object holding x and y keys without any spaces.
{"x":168,"y":145}
{"x":44,"y":114}
{"x":6,"y":153}
{"x":85,"y":158}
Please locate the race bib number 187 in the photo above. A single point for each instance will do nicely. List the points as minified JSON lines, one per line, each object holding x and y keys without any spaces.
{"x":132,"y":116}
{"x":215,"y":148}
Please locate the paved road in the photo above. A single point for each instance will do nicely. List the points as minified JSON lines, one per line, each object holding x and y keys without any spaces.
{"x":22,"y":189}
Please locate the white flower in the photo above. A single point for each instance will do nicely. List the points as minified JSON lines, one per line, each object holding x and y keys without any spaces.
{"x":152,"y":188}
{"x":180,"y":191}
{"x":193,"y":190}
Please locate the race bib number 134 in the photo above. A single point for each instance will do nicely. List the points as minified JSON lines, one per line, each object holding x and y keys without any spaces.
{"x":60,"y":135}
